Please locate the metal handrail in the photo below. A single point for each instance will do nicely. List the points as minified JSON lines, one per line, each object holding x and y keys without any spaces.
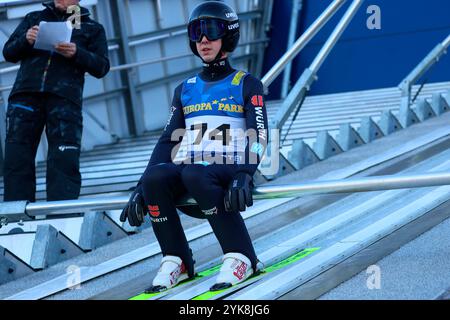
{"x":19,"y":3}
{"x":179,"y":30}
{"x":297,"y":6}
{"x":351,"y":185}
{"x":305,"y":38}
{"x":135,"y":64}
{"x":298,"y":92}
{"x":429,"y":61}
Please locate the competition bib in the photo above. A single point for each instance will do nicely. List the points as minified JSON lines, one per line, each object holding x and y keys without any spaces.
{"x":214,"y":116}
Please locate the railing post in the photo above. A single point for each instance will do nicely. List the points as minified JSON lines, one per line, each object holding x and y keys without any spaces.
{"x":1,"y":158}
{"x":293,"y":99}
{"x":300,"y":89}
{"x":263,"y":27}
{"x":406,"y":85}
{"x":304,"y":39}
{"x":2,"y":133}
{"x":132,"y":105}
{"x":404,"y":104}
{"x":296,"y":9}
{"x":335,"y":35}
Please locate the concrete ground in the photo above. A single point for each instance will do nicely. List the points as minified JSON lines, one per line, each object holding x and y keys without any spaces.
{"x":420,"y":270}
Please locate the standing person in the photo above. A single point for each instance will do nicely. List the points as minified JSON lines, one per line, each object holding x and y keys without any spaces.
{"x":48,"y":92}
{"x":215,"y":108}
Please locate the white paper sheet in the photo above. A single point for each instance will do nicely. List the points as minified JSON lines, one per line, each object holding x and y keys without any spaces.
{"x":52,"y":33}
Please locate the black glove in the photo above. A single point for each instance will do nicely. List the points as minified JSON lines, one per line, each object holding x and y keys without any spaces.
{"x":135,"y":210}
{"x":239,"y":194}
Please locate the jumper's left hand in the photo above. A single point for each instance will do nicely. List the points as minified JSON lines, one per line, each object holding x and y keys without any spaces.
{"x":135,"y":210}
{"x":240,"y":193}
{"x":67,"y":49}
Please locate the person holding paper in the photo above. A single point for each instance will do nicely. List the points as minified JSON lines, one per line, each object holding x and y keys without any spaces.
{"x":48,"y":93}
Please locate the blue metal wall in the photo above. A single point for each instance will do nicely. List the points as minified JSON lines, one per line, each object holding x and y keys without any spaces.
{"x":363,"y":58}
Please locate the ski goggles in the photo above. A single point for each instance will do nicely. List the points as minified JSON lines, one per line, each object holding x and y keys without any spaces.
{"x":213,"y":29}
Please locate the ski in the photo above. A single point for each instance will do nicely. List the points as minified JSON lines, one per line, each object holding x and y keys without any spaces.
{"x":198,"y":276}
{"x":208,"y":295}
{"x":211,"y":271}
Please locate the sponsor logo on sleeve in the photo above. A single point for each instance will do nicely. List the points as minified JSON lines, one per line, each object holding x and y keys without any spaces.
{"x":258,"y":101}
{"x":155,"y":214}
{"x":154,"y":211}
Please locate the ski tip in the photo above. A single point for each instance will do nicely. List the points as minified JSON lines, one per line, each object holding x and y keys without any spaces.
{"x":220,"y":286}
{"x":156,"y":289}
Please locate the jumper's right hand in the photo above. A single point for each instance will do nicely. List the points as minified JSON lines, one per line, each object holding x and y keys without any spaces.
{"x":32,"y":35}
{"x":239,"y":194}
{"x":135,"y":210}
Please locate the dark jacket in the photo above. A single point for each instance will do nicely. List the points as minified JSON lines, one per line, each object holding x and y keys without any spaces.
{"x":45,"y":71}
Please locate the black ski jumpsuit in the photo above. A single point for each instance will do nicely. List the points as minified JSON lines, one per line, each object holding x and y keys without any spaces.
{"x":163,"y":181}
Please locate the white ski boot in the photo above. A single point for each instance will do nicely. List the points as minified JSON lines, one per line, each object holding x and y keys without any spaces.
{"x":171,"y":271}
{"x":236,"y":268}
